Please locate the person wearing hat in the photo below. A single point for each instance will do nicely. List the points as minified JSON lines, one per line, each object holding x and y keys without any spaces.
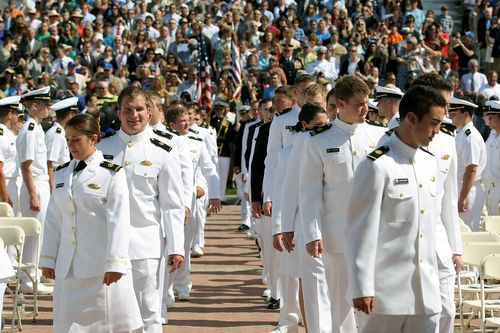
{"x":388,"y":99}
{"x":10,"y":122}
{"x":322,"y":67}
{"x":55,"y":138}
{"x":471,"y":152}
{"x":492,"y":170}
{"x":32,"y":157}
{"x":445,"y":68}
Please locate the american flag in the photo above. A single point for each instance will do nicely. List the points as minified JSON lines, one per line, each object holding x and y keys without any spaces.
{"x":235,"y":72}
{"x":204,"y":86}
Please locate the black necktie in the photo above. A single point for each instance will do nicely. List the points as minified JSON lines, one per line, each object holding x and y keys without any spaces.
{"x":80,"y":166}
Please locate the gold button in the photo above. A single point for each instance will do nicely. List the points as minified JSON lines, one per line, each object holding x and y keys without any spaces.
{"x":420,"y":259}
{"x":401,"y":195}
{"x":433,"y":179}
{"x":352,"y":133}
{"x":130,"y":145}
{"x":73,"y":228}
{"x":354,"y":152}
{"x":421,"y":235}
{"x":422,"y":211}
{"x":420,"y":185}
{"x":127,"y":163}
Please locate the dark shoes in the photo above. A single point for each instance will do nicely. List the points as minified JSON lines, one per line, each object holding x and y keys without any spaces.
{"x":243,"y":227}
{"x":273,"y":304}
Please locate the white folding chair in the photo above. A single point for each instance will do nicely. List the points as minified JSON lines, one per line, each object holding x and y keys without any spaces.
{"x":492,"y":224}
{"x":6,"y":210}
{"x":480,"y":236}
{"x":473,"y":254}
{"x":31,"y":228}
{"x":14,"y":236}
{"x":490,"y":269}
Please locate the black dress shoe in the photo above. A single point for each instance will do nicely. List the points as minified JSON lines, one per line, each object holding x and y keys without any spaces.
{"x":273,"y":304}
{"x":243,"y":227}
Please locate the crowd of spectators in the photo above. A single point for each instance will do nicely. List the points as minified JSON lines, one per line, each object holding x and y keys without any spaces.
{"x":93,"y":49}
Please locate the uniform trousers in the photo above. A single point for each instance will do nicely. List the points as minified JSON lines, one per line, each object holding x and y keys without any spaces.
{"x":447,"y":290}
{"x":223,"y":171}
{"x":342,"y":311}
{"x":377,"y":323}
{"x":290,"y":308}
{"x":475,"y":203}
{"x":245,"y":207}
{"x":181,"y":277}
{"x":3,"y":285}
{"x":13,"y":190}
{"x":314,"y":290}
{"x":200,"y":217}
{"x":145,"y":273}
{"x":43,"y":191}
{"x":493,"y":199}
{"x":270,"y":257}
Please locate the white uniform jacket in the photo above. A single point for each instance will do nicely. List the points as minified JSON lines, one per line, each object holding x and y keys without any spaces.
{"x":8,"y":152}
{"x":492,"y":170}
{"x":88,"y":220}
{"x":209,"y":137}
{"x":179,"y":142}
{"x":31,"y":147}
{"x":155,"y":184}
{"x":279,"y":136}
{"x":280,"y":201}
{"x":390,"y":231}
{"x":57,"y":148}
{"x":203,"y":162}
{"x":471,"y":150}
{"x":326,"y":172}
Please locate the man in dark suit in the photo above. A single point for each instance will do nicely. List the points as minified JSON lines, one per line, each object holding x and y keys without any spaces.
{"x":29,"y":45}
{"x":88,"y":59}
{"x":287,"y":63}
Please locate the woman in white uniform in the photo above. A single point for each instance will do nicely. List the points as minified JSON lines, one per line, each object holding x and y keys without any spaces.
{"x":85,"y":245}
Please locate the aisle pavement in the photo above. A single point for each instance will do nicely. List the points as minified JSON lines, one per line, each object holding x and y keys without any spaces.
{"x":227,"y":287}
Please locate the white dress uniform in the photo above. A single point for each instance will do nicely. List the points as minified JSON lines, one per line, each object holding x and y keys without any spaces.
{"x":31,"y":147}
{"x":326,"y":173}
{"x":390,"y":239}
{"x":156,"y":198}
{"x":471,"y":150}
{"x":86,"y":235}
{"x":202,"y":163}
{"x":8,"y":154}
{"x":311,"y":270}
{"x":6,"y":271}
{"x":492,"y":171}
{"x":55,"y":138}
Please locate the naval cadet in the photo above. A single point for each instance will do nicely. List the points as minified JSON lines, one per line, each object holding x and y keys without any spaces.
{"x":492,"y":171}
{"x":388,"y":99}
{"x":86,"y":239}
{"x":390,"y":227}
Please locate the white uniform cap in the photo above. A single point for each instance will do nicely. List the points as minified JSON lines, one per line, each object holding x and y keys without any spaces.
{"x":388,"y":92}
{"x":39,"y":94}
{"x":492,"y":107}
{"x":66,"y":105}
{"x":10,"y":102}
{"x":457,"y":104}
{"x":372,"y":104}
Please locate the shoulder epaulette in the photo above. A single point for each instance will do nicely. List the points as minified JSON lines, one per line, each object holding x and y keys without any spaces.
{"x":59,"y":130}
{"x":467,"y":132}
{"x":378,"y":152}
{"x":448,"y":129}
{"x":62,"y":166}
{"x":195,"y":138}
{"x":194,"y":131}
{"x":163,"y":134}
{"x":107,"y":134}
{"x":290,"y":128}
{"x":173,"y":132}
{"x":375,"y":123}
{"x":31,"y":127}
{"x":1,"y":131}
{"x":283,"y":112}
{"x":428,"y":152}
{"x":160,"y":144}
{"x":319,"y":129}
{"x":389,"y":132}
{"x":110,"y":166}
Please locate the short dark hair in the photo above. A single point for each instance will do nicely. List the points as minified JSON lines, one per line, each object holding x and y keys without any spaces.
{"x":350,"y":85}
{"x":303,"y":78}
{"x":432,"y":80}
{"x":86,"y":124}
{"x":286,"y":90}
{"x":309,"y":111}
{"x":131,"y":92}
{"x":175,"y":109}
{"x":419,"y":100}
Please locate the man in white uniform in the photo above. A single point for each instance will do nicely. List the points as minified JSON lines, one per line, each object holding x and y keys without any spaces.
{"x":329,"y":160}
{"x":9,"y":170}
{"x":388,"y":99}
{"x":156,"y":197}
{"x":492,"y":170}
{"x":55,"y":139}
{"x":390,"y":229}
{"x":471,"y":151}
{"x":32,"y":156}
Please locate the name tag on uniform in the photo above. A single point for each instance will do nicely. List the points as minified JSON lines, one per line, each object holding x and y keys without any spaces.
{"x":108,"y":157}
{"x":146,"y":163}
{"x":332,"y":150}
{"x":94,"y":186}
{"x":401,"y":181}
{"x":59,"y":185}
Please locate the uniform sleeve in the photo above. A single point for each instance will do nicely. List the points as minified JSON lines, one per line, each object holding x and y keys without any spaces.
{"x":471,"y":150}
{"x":186,"y":168}
{"x":209,"y":171}
{"x":274,"y":145}
{"x":26,"y":146}
{"x":278,"y":195}
{"x":291,"y":187}
{"x":51,"y":234}
{"x":54,"y":146}
{"x":311,"y":191}
{"x":118,"y":224}
{"x":211,"y":143}
{"x":172,"y":203}
{"x":449,"y":209}
{"x":362,"y":226}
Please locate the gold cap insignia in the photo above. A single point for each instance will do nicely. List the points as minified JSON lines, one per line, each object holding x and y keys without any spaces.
{"x":433,"y":179}
{"x":94,"y":186}
{"x":371,"y":146}
{"x":146,"y":163}
{"x":445,"y":157}
{"x":378,"y":151}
